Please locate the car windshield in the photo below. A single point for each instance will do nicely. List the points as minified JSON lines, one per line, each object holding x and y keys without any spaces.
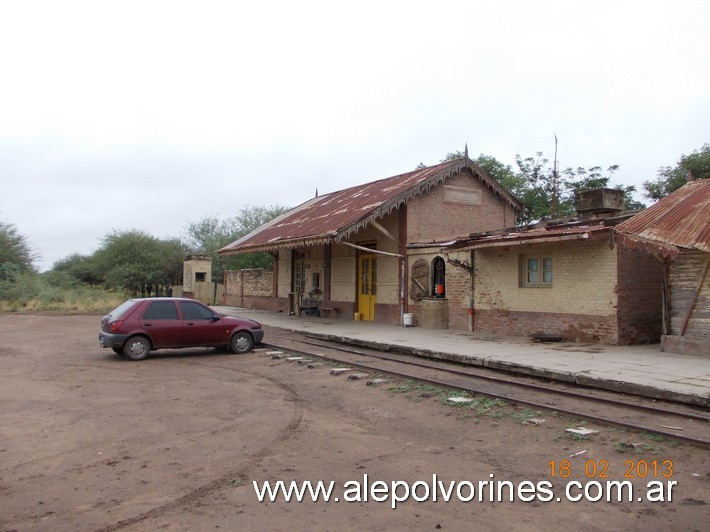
{"x":121,"y":309}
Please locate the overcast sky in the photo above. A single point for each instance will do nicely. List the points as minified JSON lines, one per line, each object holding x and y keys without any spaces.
{"x":149,"y":115}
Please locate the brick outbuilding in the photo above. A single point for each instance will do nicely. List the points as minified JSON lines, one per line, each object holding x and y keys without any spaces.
{"x":578,"y":281}
{"x":677,"y":230}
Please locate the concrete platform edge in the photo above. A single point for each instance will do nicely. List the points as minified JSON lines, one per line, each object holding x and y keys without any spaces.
{"x":582,"y":378}
{"x":520,"y":369}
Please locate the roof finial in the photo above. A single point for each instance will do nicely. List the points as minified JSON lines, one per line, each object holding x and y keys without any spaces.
{"x":316,"y":192}
{"x":465,"y":150}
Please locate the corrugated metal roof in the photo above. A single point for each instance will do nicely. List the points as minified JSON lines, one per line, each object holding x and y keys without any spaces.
{"x":335,"y":216}
{"x":682,"y":218}
{"x":548,"y":233}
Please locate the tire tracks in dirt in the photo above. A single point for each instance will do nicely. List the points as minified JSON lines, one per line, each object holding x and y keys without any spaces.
{"x":241,"y":472}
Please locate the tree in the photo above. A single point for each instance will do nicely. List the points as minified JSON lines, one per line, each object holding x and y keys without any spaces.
{"x":15,"y":250}
{"x":138,"y":262}
{"x":502,"y":173}
{"x":548,"y":194}
{"x":545,"y":192}
{"x":669,"y":179}
{"x":452,"y":155}
{"x":539,"y":187}
{"x":209,"y":234}
{"x":79,"y":267}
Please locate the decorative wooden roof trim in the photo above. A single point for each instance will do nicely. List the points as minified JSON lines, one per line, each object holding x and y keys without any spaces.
{"x":378,"y":210}
{"x":425,"y":186}
{"x":278,"y":245}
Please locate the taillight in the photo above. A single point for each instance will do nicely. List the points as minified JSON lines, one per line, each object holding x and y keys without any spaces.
{"x":114,"y":326}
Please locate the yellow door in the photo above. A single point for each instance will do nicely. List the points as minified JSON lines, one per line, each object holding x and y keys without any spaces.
{"x":367,"y":287}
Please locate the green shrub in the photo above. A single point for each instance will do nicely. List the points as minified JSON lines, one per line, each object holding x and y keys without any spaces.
{"x":58,"y":292}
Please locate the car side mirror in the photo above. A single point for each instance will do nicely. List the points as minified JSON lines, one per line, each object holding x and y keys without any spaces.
{"x":215,"y":318}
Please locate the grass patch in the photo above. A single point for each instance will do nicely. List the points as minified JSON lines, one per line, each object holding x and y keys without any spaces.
{"x":483,"y":406}
{"x":651,"y":436}
{"x":525,"y":415}
{"x":486,"y":406}
{"x":39,"y":296}
{"x":410,"y":387}
{"x":574,"y":422}
{"x":623,"y":447}
{"x":575,"y":436}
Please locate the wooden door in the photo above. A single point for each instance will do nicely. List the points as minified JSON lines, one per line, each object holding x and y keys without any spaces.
{"x":367,"y":287}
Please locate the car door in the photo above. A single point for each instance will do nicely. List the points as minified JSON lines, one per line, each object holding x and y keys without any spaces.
{"x":201,"y":326}
{"x":161,"y":322}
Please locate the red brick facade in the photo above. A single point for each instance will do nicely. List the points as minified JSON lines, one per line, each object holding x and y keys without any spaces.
{"x":639,"y":290}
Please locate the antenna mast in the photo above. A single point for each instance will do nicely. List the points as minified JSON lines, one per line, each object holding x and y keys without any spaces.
{"x":554,"y":207}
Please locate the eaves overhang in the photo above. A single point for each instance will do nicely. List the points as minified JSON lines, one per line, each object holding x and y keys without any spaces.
{"x":531,"y":238}
{"x":270,"y":247}
{"x":337,"y":216}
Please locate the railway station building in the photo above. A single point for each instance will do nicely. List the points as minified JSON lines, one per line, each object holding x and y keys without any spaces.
{"x":373,"y":251}
{"x":439,"y":248}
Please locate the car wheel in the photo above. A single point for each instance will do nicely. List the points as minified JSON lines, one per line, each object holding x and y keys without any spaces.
{"x":136,"y":347}
{"x":241,"y":342}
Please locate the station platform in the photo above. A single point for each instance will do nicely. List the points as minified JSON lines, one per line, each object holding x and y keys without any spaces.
{"x":642,"y":370}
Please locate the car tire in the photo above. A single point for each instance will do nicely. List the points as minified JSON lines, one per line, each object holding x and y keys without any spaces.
{"x":136,"y":347}
{"x":241,"y":342}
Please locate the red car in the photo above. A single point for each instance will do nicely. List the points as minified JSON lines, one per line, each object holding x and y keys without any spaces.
{"x":138,"y":326}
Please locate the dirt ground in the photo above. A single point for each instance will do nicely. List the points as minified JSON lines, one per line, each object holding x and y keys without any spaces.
{"x":92,"y":441}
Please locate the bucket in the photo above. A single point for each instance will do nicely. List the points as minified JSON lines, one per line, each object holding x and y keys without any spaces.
{"x":408,"y":320}
{"x":357,"y":316}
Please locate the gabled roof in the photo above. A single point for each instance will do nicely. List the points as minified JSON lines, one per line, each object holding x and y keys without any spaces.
{"x":681,"y":219}
{"x":333,"y":217}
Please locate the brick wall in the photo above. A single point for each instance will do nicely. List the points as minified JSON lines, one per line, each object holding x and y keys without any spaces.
{"x":433,"y":217}
{"x":574,"y":327}
{"x":458,"y":283}
{"x":584,"y":273}
{"x":242,"y":286}
{"x":581,"y":304}
{"x":640,"y":278}
{"x":458,"y":292}
{"x":273,"y":304}
{"x":387,"y":313}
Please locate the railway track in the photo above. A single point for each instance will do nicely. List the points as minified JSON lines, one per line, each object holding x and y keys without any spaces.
{"x":677,"y":422}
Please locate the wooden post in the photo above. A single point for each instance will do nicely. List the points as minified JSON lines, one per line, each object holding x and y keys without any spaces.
{"x":694,"y":299}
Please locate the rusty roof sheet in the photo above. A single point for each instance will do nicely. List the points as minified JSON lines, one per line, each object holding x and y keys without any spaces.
{"x":681,"y":219}
{"x":335,"y":216}
{"x":548,"y":233}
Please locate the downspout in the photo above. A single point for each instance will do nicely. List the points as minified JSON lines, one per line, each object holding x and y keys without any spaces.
{"x":401,"y":291}
{"x":471,"y":286}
